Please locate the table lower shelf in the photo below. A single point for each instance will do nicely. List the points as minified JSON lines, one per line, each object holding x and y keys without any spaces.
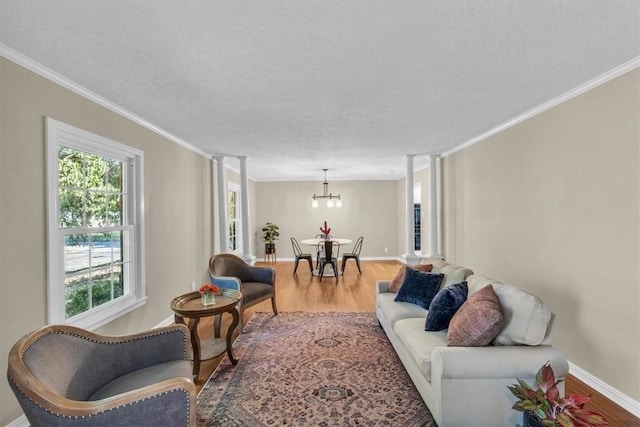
{"x":212,"y":347}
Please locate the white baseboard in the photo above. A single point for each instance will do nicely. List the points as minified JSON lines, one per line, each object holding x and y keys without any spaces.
{"x":611,"y":393}
{"x":166,"y":322}
{"x":21,"y":421}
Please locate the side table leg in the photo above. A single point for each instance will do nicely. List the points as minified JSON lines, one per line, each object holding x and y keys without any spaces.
{"x":232,"y":327}
{"x":195,"y":345}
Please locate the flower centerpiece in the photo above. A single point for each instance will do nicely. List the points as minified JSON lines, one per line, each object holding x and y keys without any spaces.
{"x":208,"y":293}
{"x":544,"y":406}
{"x":325,"y":230}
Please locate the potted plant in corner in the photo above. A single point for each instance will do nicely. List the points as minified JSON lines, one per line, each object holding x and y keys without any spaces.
{"x":543,"y":406}
{"x":270,"y":234}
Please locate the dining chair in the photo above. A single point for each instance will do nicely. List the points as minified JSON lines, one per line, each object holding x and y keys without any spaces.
{"x":320,"y":246}
{"x":355,"y":254}
{"x":300,"y":255}
{"x":331,"y":253}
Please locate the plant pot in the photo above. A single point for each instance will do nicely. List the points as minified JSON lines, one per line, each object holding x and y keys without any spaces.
{"x":269,"y":248}
{"x":529,"y":419}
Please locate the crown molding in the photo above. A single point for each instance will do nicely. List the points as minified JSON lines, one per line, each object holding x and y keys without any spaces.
{"x":578,"y":90}
{"x":51,"y":75}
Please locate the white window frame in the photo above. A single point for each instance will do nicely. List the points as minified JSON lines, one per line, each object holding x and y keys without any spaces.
{"x":231,"y":186}
{"x":61,"y":134}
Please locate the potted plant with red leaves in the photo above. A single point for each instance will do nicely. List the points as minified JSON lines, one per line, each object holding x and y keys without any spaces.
{"x":544,"y":406}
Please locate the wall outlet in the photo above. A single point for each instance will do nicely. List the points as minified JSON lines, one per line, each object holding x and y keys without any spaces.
{"x":386,"y":250}
{"x":193,"y":286}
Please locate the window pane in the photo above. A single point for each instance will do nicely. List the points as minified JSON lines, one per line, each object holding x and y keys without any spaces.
{"x":76,"y":253}
{"x":114,"y":209}
{"x":70,"y":168}
{"x":71,"y":204}
{"x":96,"y":171}
{"x":96,"y":209}
{"x":101,"y":289}
{"x":77,"y":298}
{"x":114,"y":175}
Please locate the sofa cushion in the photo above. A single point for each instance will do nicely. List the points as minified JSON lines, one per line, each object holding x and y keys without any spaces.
{"x":526,"y":318}
{"x":396,"y":282}
{"x":419,"y":288}
{"x":444,"y":305}
{"x":395,"y":311}
{"x":478,"y":321}
{"x":418,"y":343}
{"x":143,"y":377}
{"x":452,"y":273}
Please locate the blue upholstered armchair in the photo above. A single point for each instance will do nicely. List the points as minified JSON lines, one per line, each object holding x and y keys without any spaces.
{"x":66,"y":376}
{"x":255,"y":283}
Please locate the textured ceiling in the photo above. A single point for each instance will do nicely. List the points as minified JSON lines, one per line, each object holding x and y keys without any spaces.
{"x":298,"y":86}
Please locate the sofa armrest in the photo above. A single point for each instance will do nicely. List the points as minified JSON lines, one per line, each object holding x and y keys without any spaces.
{"x":227,"y":282}
{"x":496,"y":362}
{"x":382,"y":286}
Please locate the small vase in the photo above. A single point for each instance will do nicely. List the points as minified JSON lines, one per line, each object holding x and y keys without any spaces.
{"x":208,"y":298}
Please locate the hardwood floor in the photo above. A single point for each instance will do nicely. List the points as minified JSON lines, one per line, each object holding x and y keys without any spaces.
{"x":354,"y":292}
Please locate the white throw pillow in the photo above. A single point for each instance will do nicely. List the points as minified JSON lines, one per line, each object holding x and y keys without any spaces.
{"x":525,"y":317}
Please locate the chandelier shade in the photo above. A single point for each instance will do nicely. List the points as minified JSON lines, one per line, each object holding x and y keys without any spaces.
{"x":332,"y":199}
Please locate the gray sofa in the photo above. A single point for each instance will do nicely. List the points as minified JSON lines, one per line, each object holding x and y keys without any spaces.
{"x":467,"y":386}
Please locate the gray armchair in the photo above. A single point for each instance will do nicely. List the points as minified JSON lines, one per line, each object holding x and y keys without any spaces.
{"x":256,"y":284}
{"x":66,"y":376}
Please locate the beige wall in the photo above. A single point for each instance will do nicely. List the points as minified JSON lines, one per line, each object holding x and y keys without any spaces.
{"x":551,"y":205}
{"x":369,"y":209}
{"x":178,"y":211}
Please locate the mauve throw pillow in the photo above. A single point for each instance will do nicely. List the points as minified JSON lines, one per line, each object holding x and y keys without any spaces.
{"x":419,"y":288}
{"x":444,"y":305}
{"x":396,"y":283}
{"x":478,"y":320}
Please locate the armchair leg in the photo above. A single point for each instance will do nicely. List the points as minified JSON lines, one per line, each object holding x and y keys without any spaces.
{"x":273,"y":305}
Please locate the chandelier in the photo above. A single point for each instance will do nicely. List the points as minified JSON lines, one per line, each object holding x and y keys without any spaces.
{"x":332,"y":200}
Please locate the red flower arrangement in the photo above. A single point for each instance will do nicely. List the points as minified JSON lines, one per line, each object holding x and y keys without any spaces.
{"x":209,"y":287}
{"x":325,"y":230}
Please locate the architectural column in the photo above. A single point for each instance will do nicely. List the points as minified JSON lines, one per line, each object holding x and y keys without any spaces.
{"x":433,"y":208}
{"x":222,"y":205}
{"x":244,"y":199}
{"x":410,"y":257}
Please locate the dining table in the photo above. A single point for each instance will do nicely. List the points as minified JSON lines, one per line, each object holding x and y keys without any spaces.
{"x":315,"y":242}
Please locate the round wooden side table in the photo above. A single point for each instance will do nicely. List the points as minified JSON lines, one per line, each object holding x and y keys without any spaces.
{"x":190,"y":306}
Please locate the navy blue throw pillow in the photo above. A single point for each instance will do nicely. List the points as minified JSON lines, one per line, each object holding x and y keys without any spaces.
{"x":418,"y":287}
{"x":444,"y":305}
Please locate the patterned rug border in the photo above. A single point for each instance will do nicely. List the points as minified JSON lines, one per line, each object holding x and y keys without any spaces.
{"x":328,"y":382}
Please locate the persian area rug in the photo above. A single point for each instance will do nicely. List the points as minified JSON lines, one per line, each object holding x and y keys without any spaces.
{"x":320,"y":369}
